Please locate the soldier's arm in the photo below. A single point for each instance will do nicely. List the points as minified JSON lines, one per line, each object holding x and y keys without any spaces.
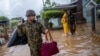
{"x":42,"y":29}
{"x":20,"y":30}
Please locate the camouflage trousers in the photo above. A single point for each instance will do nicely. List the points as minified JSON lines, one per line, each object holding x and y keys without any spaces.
{"x":35,"y":49}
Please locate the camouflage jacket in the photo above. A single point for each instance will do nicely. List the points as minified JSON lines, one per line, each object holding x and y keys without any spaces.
{"x":32,"y":31}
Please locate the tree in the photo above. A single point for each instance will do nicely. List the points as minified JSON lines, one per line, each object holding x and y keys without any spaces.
{"x":52,"y":14}
{"x":49,"y":4}
{"x":3,"y":18}
{"x":14,"y":23}
{"x":98,"y":1}
{"x":17,"y":18}
{"x":47,"y":14}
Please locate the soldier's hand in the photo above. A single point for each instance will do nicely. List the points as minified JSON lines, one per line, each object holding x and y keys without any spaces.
{"x":46,"y":31}
{"x":20,"y":23}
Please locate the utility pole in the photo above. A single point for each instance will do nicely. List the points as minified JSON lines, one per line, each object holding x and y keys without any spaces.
{"x":93,"y":19}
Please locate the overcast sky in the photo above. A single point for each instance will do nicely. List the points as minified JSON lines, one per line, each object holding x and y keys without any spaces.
{"x":17,"y":8}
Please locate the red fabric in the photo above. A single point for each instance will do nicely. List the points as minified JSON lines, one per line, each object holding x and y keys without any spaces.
{"x":54,"y":48}
{"x":45,"y":50}
{"x":49,"y":49}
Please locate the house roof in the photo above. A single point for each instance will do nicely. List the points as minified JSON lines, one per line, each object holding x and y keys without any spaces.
{"x":74,"y":2}
{"x":89,"y":2}
{"x":65,"y":6}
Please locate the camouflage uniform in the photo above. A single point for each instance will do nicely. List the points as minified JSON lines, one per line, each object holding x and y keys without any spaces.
{"x":33,"y":32}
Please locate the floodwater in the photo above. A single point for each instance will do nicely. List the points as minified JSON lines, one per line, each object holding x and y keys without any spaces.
{"x":0,"y":51}
{"x":82,"y":44}
{"x":3,"y":49}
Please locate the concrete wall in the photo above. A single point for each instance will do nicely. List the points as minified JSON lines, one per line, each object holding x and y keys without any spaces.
{"x":56,"y":22}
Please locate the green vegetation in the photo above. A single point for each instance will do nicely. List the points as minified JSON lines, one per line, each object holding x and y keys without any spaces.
{"x":17,"y":18}
{"x":52,"y":14}
{"x":48,"y":14}
{"x":3,"y":18}
{"x":98,"y":1}
{"x":11,"y":23}
{"x":14,"y":22}
{"x":49,"y":4}
{"x":50,"y":24}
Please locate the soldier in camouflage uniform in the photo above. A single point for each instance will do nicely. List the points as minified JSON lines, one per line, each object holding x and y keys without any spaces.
{"x":33,"y":30}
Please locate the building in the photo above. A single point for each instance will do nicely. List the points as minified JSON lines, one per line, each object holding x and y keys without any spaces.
{"x":84,"y":10}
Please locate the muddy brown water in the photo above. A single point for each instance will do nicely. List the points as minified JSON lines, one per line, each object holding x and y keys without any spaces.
{"x":1,"y":51}
{"x":73,"y":45}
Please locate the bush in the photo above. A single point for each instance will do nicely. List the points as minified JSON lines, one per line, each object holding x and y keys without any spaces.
{"x":50,"y":24}
{"x":52,"y":14}
{"x":14,"y":23}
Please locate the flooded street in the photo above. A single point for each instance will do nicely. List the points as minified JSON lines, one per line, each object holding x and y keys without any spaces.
{"x":82,"y":44}
{"x":1,"y":53}
{"x":78,"y":19}
{"x":3,"y":49}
